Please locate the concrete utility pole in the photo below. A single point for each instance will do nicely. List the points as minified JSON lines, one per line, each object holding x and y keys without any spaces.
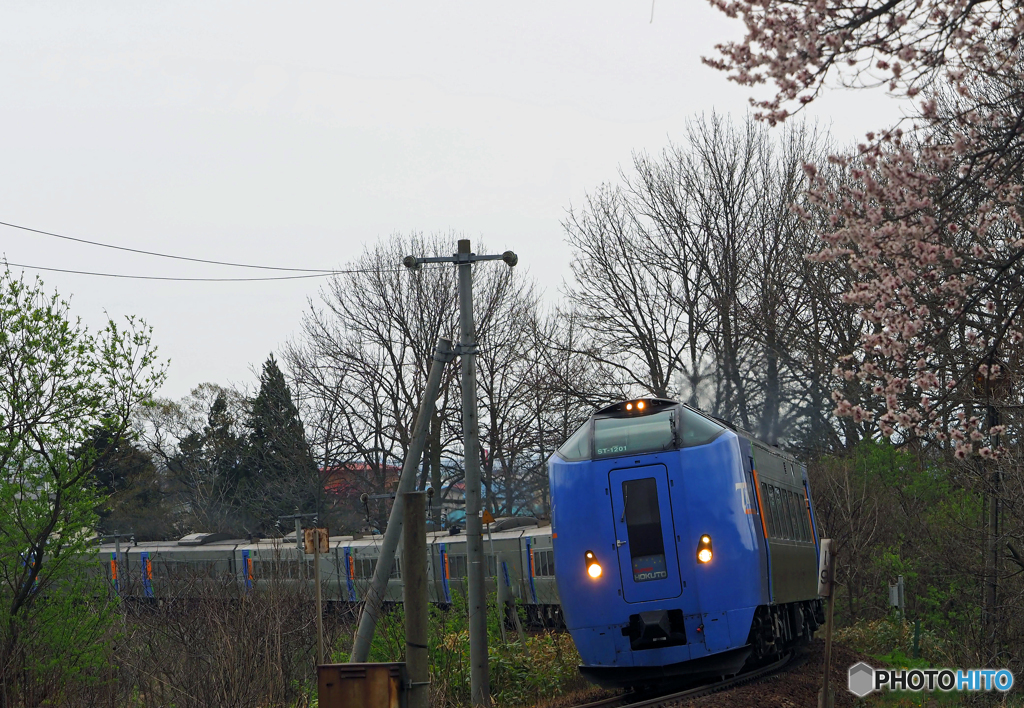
{"x":826,"y":588}
{"x":406,"y":483}
{"x":464,"y":259}
{"x":414,"y":575}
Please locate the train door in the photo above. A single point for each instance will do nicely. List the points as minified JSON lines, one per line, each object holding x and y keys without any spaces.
{"x":644,"y":533}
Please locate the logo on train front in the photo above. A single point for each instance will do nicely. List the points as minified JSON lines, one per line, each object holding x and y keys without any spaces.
{"x":863,"y":679}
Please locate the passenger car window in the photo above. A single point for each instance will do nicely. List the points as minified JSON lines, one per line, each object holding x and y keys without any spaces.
{"x":769,"y":517}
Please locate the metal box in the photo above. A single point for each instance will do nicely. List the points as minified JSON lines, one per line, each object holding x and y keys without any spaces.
{"x":361,"y":685}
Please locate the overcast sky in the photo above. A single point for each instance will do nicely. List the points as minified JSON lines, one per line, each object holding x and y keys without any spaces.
{"x":293,"y":134}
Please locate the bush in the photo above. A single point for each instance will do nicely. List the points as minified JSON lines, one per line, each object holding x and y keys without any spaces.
{"x":519,"y":675}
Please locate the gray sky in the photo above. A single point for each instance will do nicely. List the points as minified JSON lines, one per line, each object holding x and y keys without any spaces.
{"x":292,"y":134}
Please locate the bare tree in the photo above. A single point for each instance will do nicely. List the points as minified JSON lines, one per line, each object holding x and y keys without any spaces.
{"x":360,"y":364}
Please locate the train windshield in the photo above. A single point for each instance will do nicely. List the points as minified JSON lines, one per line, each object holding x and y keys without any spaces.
{"x":577,"y":447}
{"x":635,"y":434}
{"x":698,"y":430}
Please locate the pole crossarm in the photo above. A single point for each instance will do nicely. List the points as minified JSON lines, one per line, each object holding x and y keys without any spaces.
{"x":460,"y":258}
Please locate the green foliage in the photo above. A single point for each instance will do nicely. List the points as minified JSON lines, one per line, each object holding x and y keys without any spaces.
{"x":279,"y":474}
{"x":520,"y":675}
{"x":58,"y":385}
{"x":897,"y":513}
{"x":892,"y":641}
{"x":134,"y":500}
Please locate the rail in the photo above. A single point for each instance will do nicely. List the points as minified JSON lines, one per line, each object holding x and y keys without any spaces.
{"x":632,"y":700}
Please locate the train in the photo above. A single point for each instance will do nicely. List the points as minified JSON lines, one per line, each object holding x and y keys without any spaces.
{"x":686,"y":548}
{"x":518,"y":554}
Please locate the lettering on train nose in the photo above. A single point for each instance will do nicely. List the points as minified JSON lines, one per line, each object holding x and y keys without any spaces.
{"x":649,"y":568}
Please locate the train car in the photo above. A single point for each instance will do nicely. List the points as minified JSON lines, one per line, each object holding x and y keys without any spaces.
{"x":685,"y":547}
{"x":518,"y":554}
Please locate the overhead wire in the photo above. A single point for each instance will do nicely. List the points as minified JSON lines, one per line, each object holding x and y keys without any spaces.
{"x":204,"y":280}
{"x":158,"y":277}
{"x":306,"y":272}
{"x":163,"y":255}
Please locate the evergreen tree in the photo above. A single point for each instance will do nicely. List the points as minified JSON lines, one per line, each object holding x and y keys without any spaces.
{"x":279,"y":474}
{"x":208,"y":471}
{"x":126,"y":476}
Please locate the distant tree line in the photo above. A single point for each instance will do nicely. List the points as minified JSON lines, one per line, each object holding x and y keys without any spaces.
{"x":215,"y":461}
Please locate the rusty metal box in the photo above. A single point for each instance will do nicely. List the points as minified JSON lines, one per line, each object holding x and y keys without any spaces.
{"x":361,"y":685}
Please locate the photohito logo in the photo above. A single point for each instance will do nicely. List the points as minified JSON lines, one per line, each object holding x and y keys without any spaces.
{"x":864,"y":679}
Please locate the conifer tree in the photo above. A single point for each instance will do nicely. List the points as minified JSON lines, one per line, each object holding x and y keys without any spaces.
{"x":280,"y":475}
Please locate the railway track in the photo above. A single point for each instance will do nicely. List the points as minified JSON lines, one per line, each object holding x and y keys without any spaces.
{"x":632,"y":700}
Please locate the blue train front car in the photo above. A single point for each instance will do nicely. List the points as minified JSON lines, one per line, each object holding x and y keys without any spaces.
{"x":663,"y":556}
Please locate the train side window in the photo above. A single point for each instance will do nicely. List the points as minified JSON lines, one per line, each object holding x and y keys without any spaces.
{"x":766,"y":502}
{"x":792,"y":515}
{"x":457,"y":566}
{"x":577,"y":447}
{"x":798,"y":519}
{"x":696,"y":429}
{"x":798,"y":528}
{"x":787,"y":525}
{"x":365,"y":567}
{"x":544,"y":564}
{"x":643,"y":527}
{"x":773,"y":501}
{"x":805,"y":524}
{"x":787,"y":503}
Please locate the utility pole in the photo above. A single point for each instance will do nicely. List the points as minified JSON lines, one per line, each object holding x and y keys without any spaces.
{"x":434,"y":453}
{"x":826,"y":588}
{"x":115,"y":568}
{"x":992,"y":383}
{"x":318,"y":541}
{"x":414,"y":575}
{"x":464,"y":259}
{"x":406,"y":483}
{"x":299,"y":546}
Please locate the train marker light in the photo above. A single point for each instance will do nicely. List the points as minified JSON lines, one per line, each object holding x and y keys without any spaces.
{"x":704,"y":553}
{"x":593,"y":567}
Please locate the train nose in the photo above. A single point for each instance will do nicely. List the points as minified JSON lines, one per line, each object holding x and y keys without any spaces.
{"x":660,"y":628}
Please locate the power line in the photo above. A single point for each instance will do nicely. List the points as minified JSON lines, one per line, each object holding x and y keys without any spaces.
{"x":200,"y":280}
{"x":167,"y":255}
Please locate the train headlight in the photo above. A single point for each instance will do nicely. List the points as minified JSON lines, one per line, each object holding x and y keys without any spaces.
{"x":704,"y":552}
{"x":640,"y":405}
{"x":593,"y":567}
